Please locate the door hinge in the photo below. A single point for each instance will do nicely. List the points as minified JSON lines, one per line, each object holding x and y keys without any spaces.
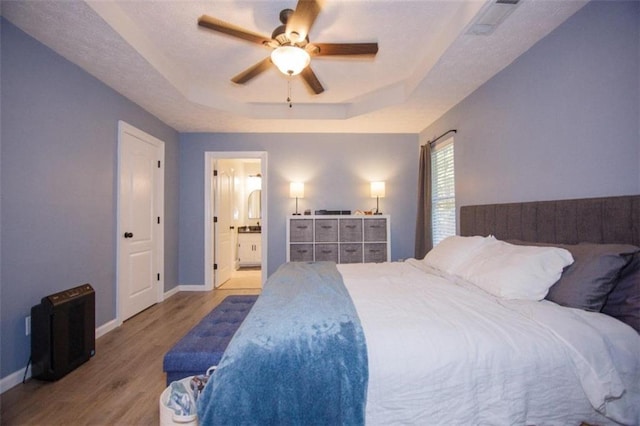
{"x":215,"y":173}
{"x":158,"y":277}
{"x":215,"y":266}
{"x":215,"y":219}
{"x":158,"y":220}
{"x":158,"y":163}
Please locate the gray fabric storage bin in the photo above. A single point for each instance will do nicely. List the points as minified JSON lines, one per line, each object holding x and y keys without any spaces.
{"x":375,"y":252}
{"x":351,"y":253}
{"x":301,"y":230}
{"x":327,"y":252}
{"x":375,"y":230}
{"x":350,"y":230}
{"x":301,"y":252}
{"x":327,"y":230}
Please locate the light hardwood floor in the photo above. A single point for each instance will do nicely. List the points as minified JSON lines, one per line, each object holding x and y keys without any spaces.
{"x":243,"y":280}
{"x":122,"y":383}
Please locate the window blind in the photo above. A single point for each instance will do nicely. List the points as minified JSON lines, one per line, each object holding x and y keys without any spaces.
{"x":443,"y":201}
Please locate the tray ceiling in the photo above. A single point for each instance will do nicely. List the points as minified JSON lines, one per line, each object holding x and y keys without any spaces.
{"x":154,"y":53}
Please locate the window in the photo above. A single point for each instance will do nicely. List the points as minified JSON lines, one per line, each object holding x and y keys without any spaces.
{"x":443,"y":192}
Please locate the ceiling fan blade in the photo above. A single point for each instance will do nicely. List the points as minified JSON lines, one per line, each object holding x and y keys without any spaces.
{"x":232,"y":30}
{"x":252,"y":71}
{"x":346,"y":49}
{"x":312,"y":81}
{"x":302,"y":19}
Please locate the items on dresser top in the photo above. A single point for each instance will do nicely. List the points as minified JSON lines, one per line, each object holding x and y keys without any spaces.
{"x":333,"y":212}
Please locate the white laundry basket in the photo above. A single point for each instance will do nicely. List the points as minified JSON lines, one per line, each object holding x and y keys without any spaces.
{"x":167,"y":416}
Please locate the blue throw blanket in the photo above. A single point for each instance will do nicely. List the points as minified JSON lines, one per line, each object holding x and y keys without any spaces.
{"x":299,"y":358}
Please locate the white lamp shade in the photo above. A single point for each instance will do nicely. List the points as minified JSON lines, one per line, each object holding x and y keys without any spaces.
{"x":290,"y":60}
{"x":377,"y":189}
{"x":296,"y":190}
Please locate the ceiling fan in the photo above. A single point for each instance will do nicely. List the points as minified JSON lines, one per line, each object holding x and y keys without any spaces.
{"x":292,"y":50}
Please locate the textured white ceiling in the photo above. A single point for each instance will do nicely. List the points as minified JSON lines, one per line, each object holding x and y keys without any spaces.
{"x":154,"y":53}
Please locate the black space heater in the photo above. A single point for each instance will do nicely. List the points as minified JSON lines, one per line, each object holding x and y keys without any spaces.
{"x":63,"y":332}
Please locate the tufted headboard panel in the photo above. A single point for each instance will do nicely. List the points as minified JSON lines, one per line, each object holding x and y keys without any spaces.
{"x":596,"y":220}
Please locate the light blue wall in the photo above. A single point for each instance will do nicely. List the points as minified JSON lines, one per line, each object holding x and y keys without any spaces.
{"x":336,"y":169}
{"x":58,"y":175}
{"x":562,"y":121}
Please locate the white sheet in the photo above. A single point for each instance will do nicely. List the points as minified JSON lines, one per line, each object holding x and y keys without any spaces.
{"x":443,"y":352}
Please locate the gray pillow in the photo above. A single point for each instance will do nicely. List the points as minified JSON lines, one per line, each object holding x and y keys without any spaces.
{"x":623,"y":302}
{"x":587,"y":282}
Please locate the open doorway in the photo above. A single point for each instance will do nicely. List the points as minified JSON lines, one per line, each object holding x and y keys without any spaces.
{"x":235,"y":219}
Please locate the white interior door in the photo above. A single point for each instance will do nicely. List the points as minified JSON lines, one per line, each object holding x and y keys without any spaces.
{"x":210,"y":228}
{"x":223,"y":251}
{"x":140,"y":235}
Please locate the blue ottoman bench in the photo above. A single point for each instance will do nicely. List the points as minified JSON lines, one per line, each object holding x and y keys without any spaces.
{"x":203,"y":346}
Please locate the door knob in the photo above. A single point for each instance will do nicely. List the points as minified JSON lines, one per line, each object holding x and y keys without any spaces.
{"x":128,"y":234}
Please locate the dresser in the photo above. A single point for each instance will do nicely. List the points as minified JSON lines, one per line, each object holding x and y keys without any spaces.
{"x":341,"y":239}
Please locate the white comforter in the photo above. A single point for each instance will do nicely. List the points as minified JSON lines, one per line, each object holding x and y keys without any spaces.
{"x":442,"y":351}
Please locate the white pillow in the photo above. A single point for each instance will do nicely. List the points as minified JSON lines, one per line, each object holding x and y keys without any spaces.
{"x":453,"y":251}
{"x":515,"y":272}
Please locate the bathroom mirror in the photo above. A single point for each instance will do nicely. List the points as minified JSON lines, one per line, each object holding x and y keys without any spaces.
{"x":254,"y":206}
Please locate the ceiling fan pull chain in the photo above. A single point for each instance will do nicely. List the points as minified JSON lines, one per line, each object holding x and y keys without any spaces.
{"x":289,"y":92}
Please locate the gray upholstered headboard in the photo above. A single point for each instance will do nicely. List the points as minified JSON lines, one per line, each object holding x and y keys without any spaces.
{"x":596,"y":220}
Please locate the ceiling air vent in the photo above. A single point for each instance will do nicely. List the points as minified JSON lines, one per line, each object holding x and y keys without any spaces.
{"x":493,"y":15}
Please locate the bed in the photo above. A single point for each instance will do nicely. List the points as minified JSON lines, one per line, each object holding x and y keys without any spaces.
{"x":460,"y":337}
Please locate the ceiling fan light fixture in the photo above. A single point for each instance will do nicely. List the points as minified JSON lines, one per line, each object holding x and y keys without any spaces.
{"x":290,"y":60}
{"x":295,"y":36}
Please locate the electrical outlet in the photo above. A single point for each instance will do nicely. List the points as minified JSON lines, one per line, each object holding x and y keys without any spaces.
{"x":27,"y":325}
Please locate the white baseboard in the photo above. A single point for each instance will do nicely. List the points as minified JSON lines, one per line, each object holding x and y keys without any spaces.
{"x":105,"y":328}
{"x":193,"y":287}
{"x":171,"y":292}
{"x":15,"y":378}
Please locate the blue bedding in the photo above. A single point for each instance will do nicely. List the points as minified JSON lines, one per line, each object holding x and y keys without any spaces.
{"x":299,"y":357}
